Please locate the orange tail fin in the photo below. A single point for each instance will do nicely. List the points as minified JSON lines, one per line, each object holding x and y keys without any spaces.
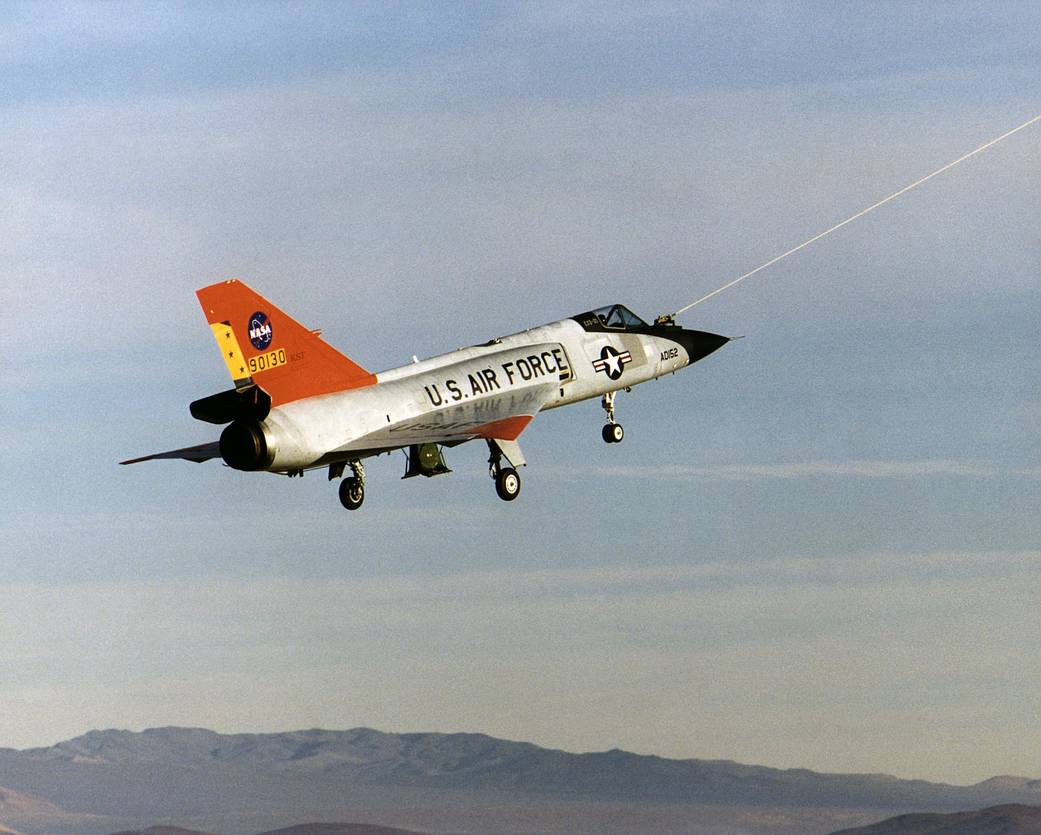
{"x":261,"y":344}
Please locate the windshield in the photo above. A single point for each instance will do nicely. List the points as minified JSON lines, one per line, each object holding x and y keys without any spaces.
{"x":618,"y":316}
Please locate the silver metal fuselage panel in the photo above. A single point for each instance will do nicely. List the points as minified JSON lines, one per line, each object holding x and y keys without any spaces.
{"x":467,"y":393}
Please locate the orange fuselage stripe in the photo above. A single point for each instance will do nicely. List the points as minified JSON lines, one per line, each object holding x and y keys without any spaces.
{"x":507,"y":429}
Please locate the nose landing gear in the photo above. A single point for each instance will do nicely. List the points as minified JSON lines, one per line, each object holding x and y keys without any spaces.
{"x":612,"y":432}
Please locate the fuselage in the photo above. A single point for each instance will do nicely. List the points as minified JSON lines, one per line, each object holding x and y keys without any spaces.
{"x":491,"y":390}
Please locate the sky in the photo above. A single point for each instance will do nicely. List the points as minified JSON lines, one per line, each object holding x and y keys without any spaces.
{"x":820,"y":547}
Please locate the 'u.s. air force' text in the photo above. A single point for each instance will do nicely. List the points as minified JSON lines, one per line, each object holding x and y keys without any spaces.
{"x":502,"y":376}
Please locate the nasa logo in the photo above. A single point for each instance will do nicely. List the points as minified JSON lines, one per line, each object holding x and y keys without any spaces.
{"x":259,"y":331}
{"x":611,"y":362}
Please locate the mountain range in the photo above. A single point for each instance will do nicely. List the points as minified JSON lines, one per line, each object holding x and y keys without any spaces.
{"x":1012,"y":819}
{"x":299,"y":829}
{"x":240,"y":784}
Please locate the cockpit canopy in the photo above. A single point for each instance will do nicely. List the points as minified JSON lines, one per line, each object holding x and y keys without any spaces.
{"x":617,"y":317}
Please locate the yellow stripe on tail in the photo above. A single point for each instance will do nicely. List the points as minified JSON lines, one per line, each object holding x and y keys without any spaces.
{"x":232,"y":353}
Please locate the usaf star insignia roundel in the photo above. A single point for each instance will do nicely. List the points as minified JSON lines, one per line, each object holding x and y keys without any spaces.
{"x":611,"y":362}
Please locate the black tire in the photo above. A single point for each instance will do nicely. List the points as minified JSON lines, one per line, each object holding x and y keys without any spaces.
{"x":507,"y":484}
{"x":613,"y":433}
{"x":352,"y":493}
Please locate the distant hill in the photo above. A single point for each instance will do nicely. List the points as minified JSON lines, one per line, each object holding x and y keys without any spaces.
{"x":298,"y":829}
{"x":17,"y":803}
{"x":339,"y":829}
{"x":18,"y":807}
{"x":238,"y":784}
{"x":477,"y":762}
{"x":1012,"y":819}
{"x":162,"y":830}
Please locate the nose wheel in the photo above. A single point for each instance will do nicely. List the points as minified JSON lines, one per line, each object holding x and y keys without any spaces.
{"x":612,"y":432}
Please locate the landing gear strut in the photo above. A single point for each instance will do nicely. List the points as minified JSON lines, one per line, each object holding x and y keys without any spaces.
{"x":352,"y":488}
{"x":612,"y":432}
{"x":507,"y":480}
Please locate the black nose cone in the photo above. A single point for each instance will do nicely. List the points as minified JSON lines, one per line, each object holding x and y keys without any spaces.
{"x":698,"y":344}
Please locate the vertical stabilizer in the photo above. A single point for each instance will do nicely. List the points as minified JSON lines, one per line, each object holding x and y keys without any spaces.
{"x":260,"y":344}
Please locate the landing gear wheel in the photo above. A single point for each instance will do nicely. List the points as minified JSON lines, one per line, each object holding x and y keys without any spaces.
{"x":507,"y":484}
{"x":352,"y":493}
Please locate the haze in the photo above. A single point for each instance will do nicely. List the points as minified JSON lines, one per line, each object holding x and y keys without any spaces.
{"x":818,"y":548}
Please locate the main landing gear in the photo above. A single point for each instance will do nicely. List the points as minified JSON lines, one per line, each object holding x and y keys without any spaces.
{"x":507,"y":480}
{"x":352,"y":488}
{"x":612,"y":432}
{"x":505,"y":457}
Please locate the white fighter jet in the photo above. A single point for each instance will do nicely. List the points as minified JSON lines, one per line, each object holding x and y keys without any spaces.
{"x":298,"y":404}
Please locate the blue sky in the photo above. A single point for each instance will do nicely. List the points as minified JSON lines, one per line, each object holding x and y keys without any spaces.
{"x":830,"y":524}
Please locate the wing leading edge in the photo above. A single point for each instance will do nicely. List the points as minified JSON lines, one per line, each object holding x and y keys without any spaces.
{"x":197,"y":453}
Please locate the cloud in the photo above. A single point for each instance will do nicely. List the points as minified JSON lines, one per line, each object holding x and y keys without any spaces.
{"x":560,"y":159}
{"x":804,"y":470}
{"x":745,"y":659}
{"x":410,"y":182}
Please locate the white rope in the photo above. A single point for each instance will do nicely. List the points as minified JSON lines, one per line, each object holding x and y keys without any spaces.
{"x":860,"y":214}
